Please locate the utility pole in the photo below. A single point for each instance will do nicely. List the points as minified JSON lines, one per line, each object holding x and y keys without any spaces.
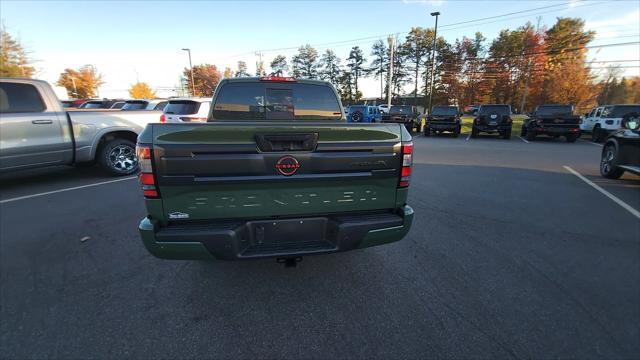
{"x":433,"y":59}
{"x":391,"y":41}
{"x":193,"y":84}
{"x":259,"y":64}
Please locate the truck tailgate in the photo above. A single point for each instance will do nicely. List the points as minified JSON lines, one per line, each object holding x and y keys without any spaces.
{"x":247,"y":169}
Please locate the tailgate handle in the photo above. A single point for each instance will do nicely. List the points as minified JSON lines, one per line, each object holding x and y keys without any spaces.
{"x":287,"y":142}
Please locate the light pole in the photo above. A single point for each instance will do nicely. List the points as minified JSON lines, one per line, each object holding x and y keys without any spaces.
{"x":193,"y":84}
{"x":433,"y":59}
{"x":391,"y":41}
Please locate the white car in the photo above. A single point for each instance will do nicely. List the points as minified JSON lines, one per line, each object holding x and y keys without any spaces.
{"x":603,"y":120}
{"x":384,"y":108}
{"x":156,"y":104}
{"x":186,"y":110}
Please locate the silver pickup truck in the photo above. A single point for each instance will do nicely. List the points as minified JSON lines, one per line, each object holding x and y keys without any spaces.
{"x":35,"y":131}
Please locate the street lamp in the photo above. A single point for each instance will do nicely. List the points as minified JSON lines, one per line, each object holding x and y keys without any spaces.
{"x":433,"y":59}
{"x":193,"y":84}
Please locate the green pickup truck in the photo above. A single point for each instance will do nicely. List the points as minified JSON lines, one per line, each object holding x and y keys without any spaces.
{"x":276,"y":171}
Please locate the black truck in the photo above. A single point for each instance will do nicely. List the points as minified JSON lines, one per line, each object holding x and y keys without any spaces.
{"x":493,"y":118}
{"x":443,"y":118}
{"x":403,"y":114}
{"x":552,"y":120}
{"x":621,"y":151}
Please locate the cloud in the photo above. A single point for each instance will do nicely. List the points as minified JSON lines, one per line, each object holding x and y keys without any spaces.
{"x":628,"y":19}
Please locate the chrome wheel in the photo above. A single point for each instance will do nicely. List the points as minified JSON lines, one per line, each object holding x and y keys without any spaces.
{"x":606,"y":164}
{"x":122,"y":158}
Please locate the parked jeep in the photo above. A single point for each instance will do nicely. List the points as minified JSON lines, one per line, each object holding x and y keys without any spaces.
{"x":552,"y":120}
{"x":621,"y":151}
{"x":493,"y":118}
{"x":403,"y":114}
{"x":604,"y":120}
{"x":363,"y":114}
{"x":443,"y":118}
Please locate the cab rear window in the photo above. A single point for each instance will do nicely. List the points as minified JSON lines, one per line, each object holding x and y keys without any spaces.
{"x":498,"y":109}
{"x":276,"y":101}
{"x":182,"y":107}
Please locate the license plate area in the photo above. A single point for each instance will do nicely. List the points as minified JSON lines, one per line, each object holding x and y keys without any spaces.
{"x":266,"y":231}
{"x":289,"y":236}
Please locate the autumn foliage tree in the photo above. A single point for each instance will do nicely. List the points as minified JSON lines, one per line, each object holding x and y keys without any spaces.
{"x":141,"y":90}
{"x":81,"y":83}
{"x":206,"y":77}
{"x":13,"y":58}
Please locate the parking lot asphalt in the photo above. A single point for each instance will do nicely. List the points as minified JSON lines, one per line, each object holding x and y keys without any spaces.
{"x":510,"y":256}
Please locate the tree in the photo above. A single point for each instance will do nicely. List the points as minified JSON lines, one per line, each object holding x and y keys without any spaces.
{"x":141,"y":90}
{"x":415,"y":48}
{"x":567,"y":76}
{"x":354,"y":62}
{"x":330,"y":67}
{"x":279,"y":66}
{"x":346,"y":87}
{"x":82,"y":83}
{"x":13,"y":58}
{"x":206,"y":77}
{"x":242,"y":69}
{"x":305,"y":63}
{"x":228,"y":73}
{"x":380,"y":64}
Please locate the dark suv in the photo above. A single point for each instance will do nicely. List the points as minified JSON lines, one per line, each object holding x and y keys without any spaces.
{"x":403,"y":114}
{"x":552,"y":120}
{"x":443,"y":118}
{"x":493,"y":118}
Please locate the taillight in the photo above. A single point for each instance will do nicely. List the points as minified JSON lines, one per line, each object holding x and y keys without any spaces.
{"x":147,"y":180}
{"x":407,"y":160}
{"x":193,"y":119}
{"x":163,"y":119}
{"x":278,"y":78}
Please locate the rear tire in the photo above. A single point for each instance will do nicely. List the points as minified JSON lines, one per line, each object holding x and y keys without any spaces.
{"x":596,"y":135}
{"x":572,"y":137}
{"x":118,"y":157}
{"x":609,"y":162}
{"x":530,"y":135}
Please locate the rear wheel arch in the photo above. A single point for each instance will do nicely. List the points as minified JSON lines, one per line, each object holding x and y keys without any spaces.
{"x":112,"y":135}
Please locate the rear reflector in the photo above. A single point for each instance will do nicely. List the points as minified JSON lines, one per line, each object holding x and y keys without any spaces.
{"x":407,"y":161}
{"x":163,"y":119}
{"x":278,"y":78}
{"x":147,"y":180}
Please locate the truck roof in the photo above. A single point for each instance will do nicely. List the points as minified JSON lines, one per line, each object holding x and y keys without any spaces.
{"x":257,"y":79}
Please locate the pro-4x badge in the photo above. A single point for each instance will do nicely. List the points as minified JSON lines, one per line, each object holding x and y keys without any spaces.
{"x":287,"y":165}
{"x":178,"y":215}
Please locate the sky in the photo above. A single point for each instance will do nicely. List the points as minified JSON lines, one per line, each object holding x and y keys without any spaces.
{"x":142,"y":40}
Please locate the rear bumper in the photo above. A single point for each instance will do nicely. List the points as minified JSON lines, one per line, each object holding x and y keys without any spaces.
{"x":492,"y":128}
{"x":445,"y":126}
{"x":234,"y":240}
{"x":559,"y":130}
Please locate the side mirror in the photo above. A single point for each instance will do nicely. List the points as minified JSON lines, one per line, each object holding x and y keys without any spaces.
{"x":586,"y":115}
{"x":461,"y":114}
